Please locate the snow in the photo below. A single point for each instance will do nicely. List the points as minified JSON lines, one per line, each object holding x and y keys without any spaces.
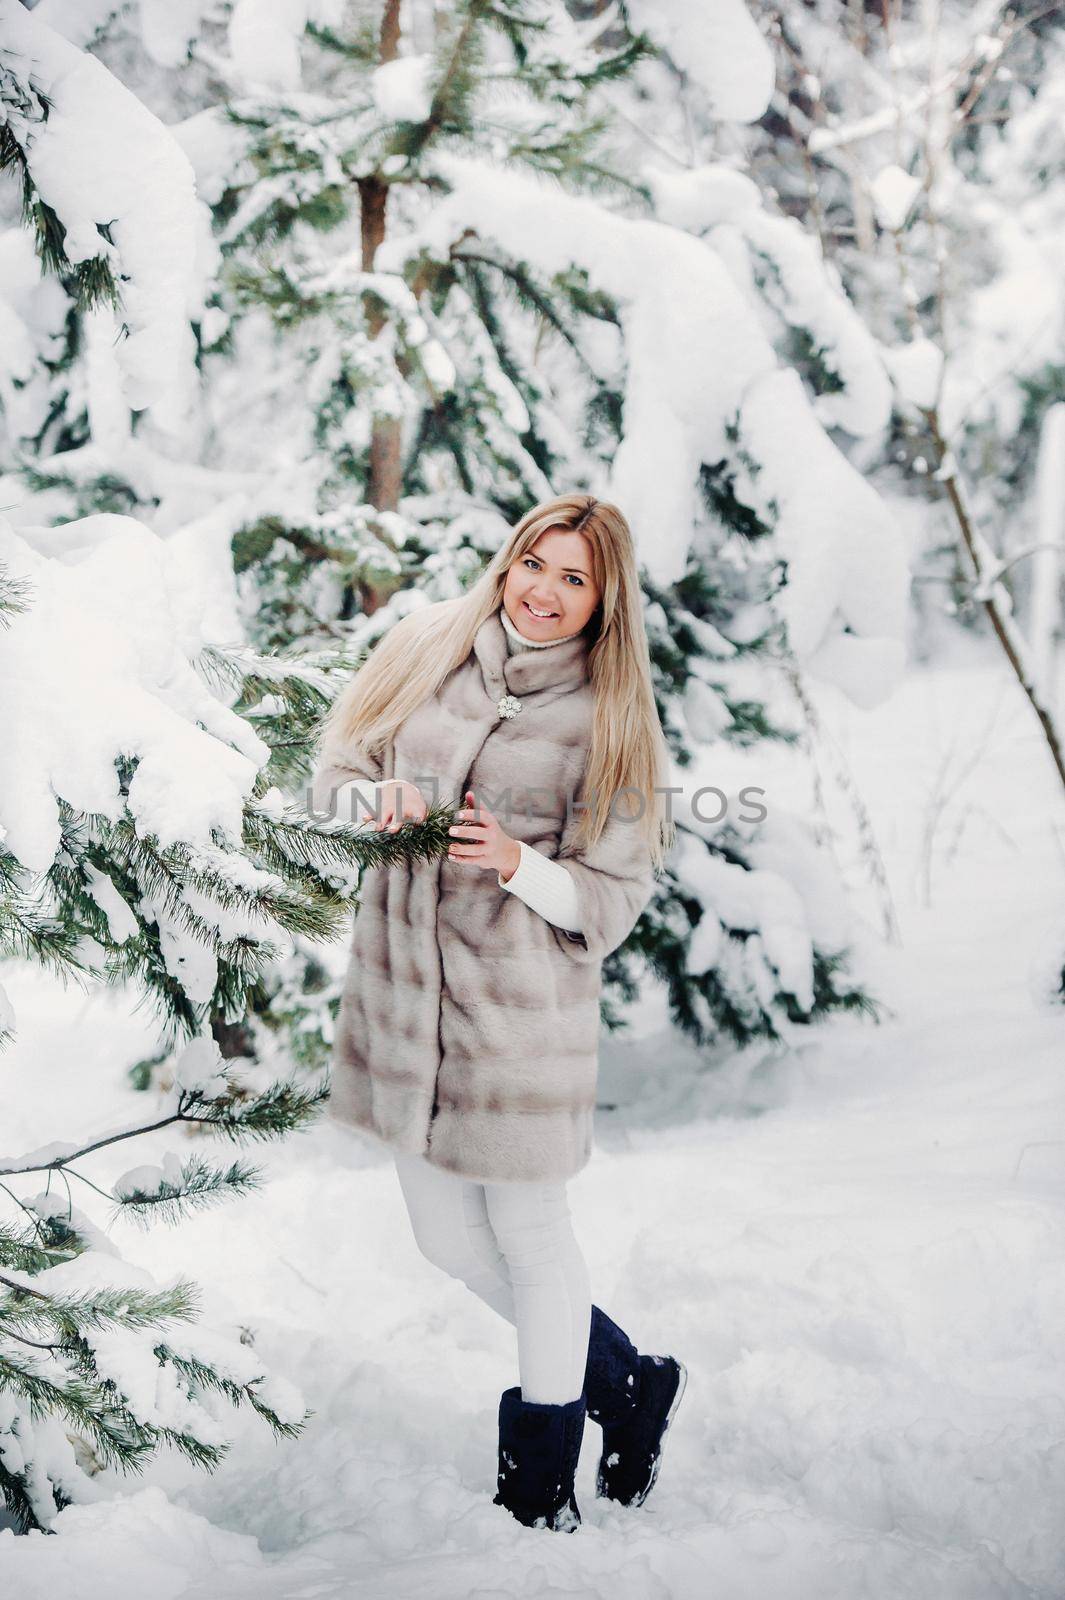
{"x":697,"y":356}
{"x":169,"y":26}
{"x":893,"y":192}
{"x":99,"y":664}
{"x":121,"y":922}
{"x":100,"y":667}
{"x":795,"y":280}
{"x":32,"y":308}
{"x":809,"y":294}
{"x":264,"y":42}
{"x":898,"y":113}
{"x":148,"y":1176}
{"x":679,"y":376}
{"x":77,"y":20}
{"x":734,"y":898}
{"x":153,"y":1391}
{"x":989,"y":46}
{"x":214,"y":146}
{"x":917,"y":369}
{"x":845,"y":558}
{"x":200,"y":1066}
{"x":1011,"y":321}
{"x":853,"y":1239}
{"x":855,"y":1244}
{"x":719,"y":47}
{"x":7,"y":1014}
{"x":700,"y":197}
{"x":402,"y":90}
{"x":101,"y":158}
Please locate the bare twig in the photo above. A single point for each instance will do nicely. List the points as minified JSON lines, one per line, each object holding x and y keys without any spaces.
{"x":1000,"y":620}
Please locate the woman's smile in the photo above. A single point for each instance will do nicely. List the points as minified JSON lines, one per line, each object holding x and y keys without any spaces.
{"x":541,"y":613}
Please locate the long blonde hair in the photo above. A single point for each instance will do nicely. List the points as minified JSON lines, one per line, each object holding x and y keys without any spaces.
{"x":628,"y":750}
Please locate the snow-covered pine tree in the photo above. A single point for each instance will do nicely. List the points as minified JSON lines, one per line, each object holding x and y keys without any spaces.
{"x":154,"y":821}
{"x":101,"y":236}
{"x":805,"y":570}
{"x":144,"y":841}
{"x":515,"y":383}
{"x":431,"y":427}
{"x":80,"y":1328}
{"x":90,"y":418}
{"x":554,"y":336}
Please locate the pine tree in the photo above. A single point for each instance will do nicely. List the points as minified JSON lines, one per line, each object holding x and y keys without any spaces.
{"x":190,"y":923}
{"x":497,"y":369}
{"x":431,"y":429}
{"x":69,"y":1335}
{"x":440,"y":375}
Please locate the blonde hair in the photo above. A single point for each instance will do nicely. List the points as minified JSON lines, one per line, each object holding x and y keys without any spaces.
{"x":628,"y":750}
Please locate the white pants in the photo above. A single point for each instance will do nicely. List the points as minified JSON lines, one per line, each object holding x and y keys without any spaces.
{"x":513,"y":1245}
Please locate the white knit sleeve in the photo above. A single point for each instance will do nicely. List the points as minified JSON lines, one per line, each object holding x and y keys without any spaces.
{"x":546,"y":887}
{"x":356,"y":800}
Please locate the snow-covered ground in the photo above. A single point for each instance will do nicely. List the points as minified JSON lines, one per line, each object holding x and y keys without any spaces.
{"x":857,"y":1247}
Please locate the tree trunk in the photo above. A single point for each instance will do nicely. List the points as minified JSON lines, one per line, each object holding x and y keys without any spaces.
{"x":386,"y":438}
{"x":386,"y":466}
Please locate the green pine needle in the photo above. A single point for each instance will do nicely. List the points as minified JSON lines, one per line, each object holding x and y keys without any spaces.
{"x":200,"y":1185}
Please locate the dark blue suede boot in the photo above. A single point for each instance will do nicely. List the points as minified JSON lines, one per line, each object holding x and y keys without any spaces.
{"x":634,"y":1399}
{"x":538,"y":1450}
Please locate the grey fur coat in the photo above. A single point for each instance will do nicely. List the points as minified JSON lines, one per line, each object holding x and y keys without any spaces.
{"x":468,"y":1026}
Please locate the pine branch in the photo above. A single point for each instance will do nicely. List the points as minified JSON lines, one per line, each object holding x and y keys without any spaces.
{"x":90,"y":282}
{"x":276,"y":1110}
{"x":19,"y":1250}
{"x":456,"y":82}
{"x":312,"y":841}
{"x":199,"y":1185}
{"x":206,"y":1377}
{"x":527,"y":293}
{"x":30,"y":935}
{"x":306,"y":681}
{"x":18,"y":1502}
{"x":15,"y":594}
{"x":70,"y":1314}
{"x":89,"y":1406}
{"x":359,"y":46}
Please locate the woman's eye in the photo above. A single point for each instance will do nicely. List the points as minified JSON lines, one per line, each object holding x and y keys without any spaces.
{"x":526,"y":560}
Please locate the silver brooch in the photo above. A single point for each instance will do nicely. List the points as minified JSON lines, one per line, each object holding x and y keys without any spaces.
{"x":508,"y":706}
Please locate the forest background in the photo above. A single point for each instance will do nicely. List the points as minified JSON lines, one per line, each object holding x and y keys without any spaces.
{"x":302,"y":306}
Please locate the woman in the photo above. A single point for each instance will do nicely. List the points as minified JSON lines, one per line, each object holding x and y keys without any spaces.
{"x":467,"y":1036}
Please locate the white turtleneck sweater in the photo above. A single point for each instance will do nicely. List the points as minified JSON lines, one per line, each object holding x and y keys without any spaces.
{"x":545,"y":885}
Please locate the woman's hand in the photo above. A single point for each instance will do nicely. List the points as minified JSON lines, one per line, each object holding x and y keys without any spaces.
{"x":480,"y":840}
{"x":400,"y":802}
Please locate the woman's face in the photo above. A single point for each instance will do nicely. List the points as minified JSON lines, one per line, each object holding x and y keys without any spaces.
{"x":553,"y":577}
